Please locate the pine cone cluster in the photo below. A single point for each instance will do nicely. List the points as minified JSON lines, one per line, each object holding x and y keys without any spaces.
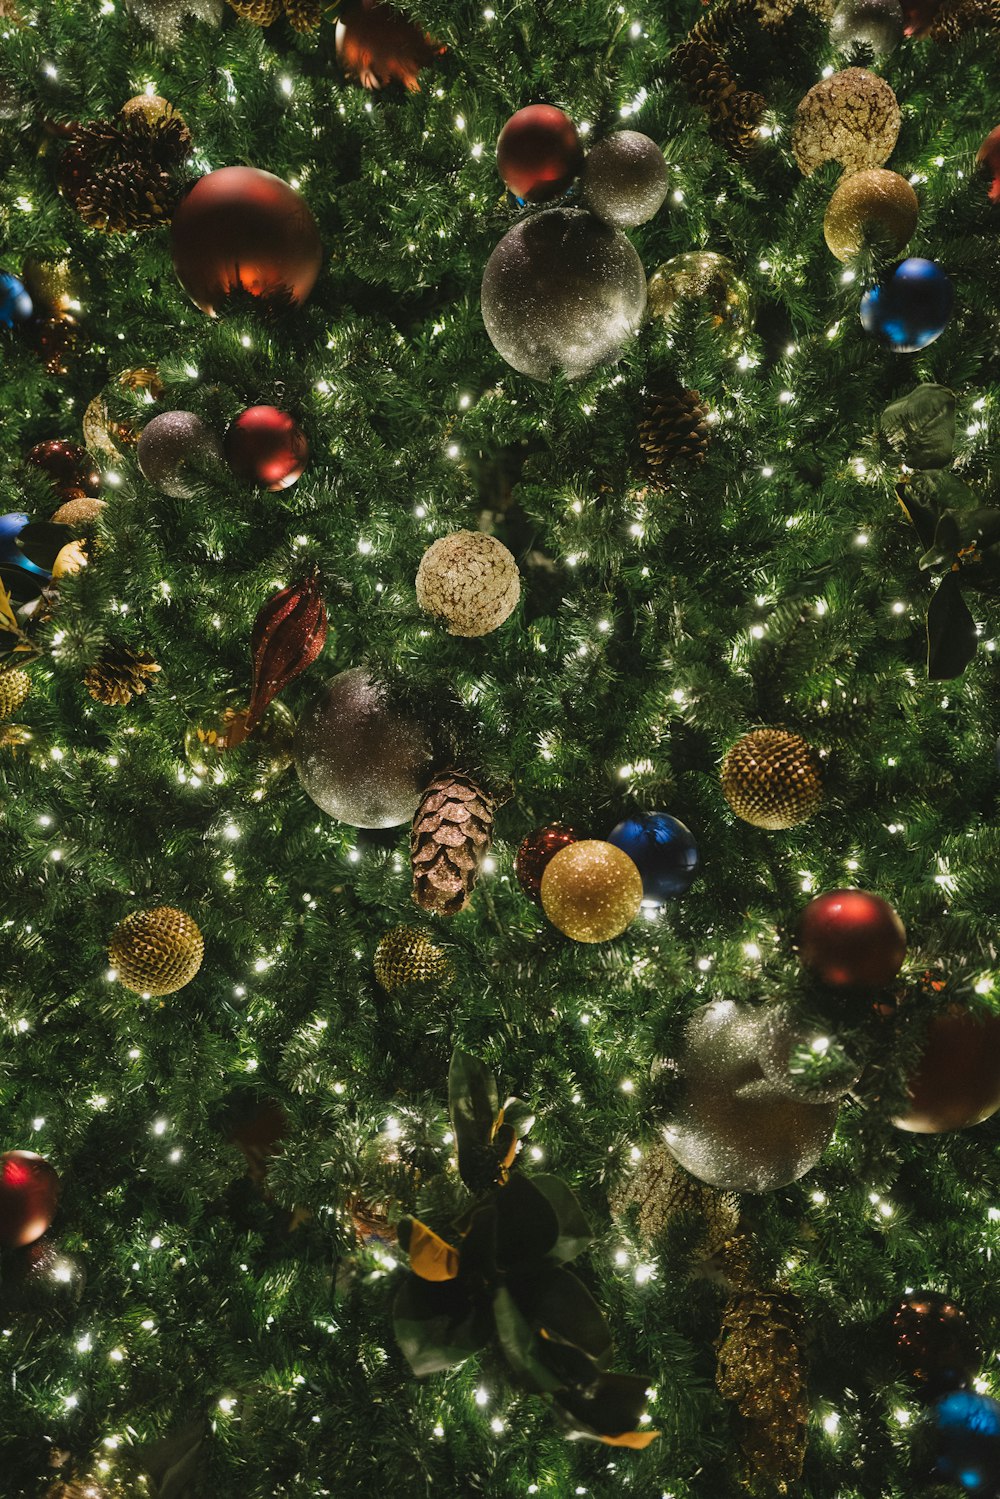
{"x":734,"y":113}
{"x":120,"y":174}
{"x":451,"y":835}
{"x":957,"y":18}
{"x":673,"y":429}
{"x":303,"y":15}
{"x":760,"y":1368}
{"x":119,"y":675}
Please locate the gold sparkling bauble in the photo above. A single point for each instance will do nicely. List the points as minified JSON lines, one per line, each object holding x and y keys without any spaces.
{"x":702,"y":276}
{"x":872,"y":207}
{"x":81,"y":513}
{"x":156,"y":951}
{"x":407,"y":956}
{"x":14,"y":688}
{"x":216,"y":740}
{"x":57,"y":287}
{"x":591,"y":891}
{"x":148,"y":107}
{"x":657,"y":1190}
{"x":470,"y":580}
{"x":851,"y":117}
{"x":772,"y":779}
{"x":143,"y":377}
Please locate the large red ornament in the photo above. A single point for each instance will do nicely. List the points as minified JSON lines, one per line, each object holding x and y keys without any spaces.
{"x":266,"y":446}
{"x":849,"y":937}
{"x":240,"y":229}
{"x":29,"y":1188}
{"x":957,"y":1082}
{"x":288,"y":634}
{"x":935,"y":1343}
{"x":539,"y":153}
{"x":988,"y":160}
{"x":378,"y":46}
{"x":69,"y":466}
{"x":534,"y":853}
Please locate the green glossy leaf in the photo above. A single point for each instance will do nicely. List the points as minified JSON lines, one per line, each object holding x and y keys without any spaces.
{"x":474,"y":1103}
{"x":437,"y":1325}
{"x":41,"y":541}
{"x":520,"y":1344}
{"x":574,"y":1230}
{"x":527,"y":1226}
{"x":555,"y":1300}
{"x":613,"y":1404}
{"x":922,"y":516}
{"x":920,"y":426}
{"x":519,"y":1115}
{"x":951,"y":632}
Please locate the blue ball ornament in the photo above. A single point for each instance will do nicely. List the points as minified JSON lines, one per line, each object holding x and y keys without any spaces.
{"x":15,"y":304}
{"x":911,"y":308}
{"x":663,"y":850}
{"x":967,"y":1432}
{"x":11,"y":554}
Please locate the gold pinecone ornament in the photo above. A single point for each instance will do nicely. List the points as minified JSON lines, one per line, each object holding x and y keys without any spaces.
{"x":658,"y":1190}
{"x":673,"y":429}
{"x":772,"y":779}
{"x":14,"y":688}
{"x":957,"y":18}
{"x":118,"y":675}
{"x":156,"y":951}
{"x":303,"y":15}
{"x":121,"y":174}
{"x":451,"y":835}
{"x":406,"y":956}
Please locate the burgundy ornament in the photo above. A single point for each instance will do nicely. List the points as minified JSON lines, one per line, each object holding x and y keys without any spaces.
{"x":852,"y":938}
{"x":988,"y":161}
{"x":55,"y":340}
{"x":29,"y":1188}
{"x":69,"y":466}
{"x":377,"y":46}
{"x":934,"y":1343}
{"x":240,"y":229}
{"x":957,"y":1081}
{"x":266,"y":446}
{"x":288,"y":634}
{"x":534,"y":853}
{"x":919,"y":16}
{"x":539,"y":153}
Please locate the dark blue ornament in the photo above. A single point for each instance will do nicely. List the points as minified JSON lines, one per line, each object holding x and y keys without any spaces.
{"x":663,"y":850}
{"x":15,"y":304}
{"x":967,"y":1432}
{"x":911,"y":307}
{"x":11,"y":554}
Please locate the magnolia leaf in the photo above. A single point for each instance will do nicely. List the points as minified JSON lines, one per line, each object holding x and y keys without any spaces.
{"x":430,"y":1256}
{"x":519,"y":1115}
{"x":520,"y":1345}
{"x":574,"y":1230}
{"x":438,"y":1325}
{"x":922,"y":517}
{"x":921,"y":426}
{"x":527,"y":1228}
{"x":951,"y":632}
{"x":474,"y":1104}
{"x":608,"y":1410}
{"x":559,"y":1305}
{"x":172,"y":1464}
{"x":505,"y":1143}
{"x":8,"y":620}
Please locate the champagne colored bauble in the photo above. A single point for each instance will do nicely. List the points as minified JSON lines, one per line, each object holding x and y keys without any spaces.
{"x":358,"y":757}
{"x":69,"y":560}
{"x":156,"y":951}
{"x":772,"y":779}
{"x":151,"y":108}
{"x":266,"y":446}
{"x":708,"y":279}
{"x":957,"y":1082}
{"x":243,"y":230}
{"x":804,"y":1060}
{"x":177,"y":452}
{"x":591,"y":891}
{"x":873,"y":207}
{"x":217,"y":741}
{"x":851,"y":117}
{"x":533,"y":854}
{"x":852,"y":938}
{"x":469,"y":580}
{"x":934,"y":1343}
{"x":29,"y":1191}
{"x":406,"y":956}
{"x":731,"y":1127}
{"x":625,"y":179}
{"x":103,"y":434}
{"x":871,"y":28}
{"x":539,"y":153}
{"x":81,"y":514}
{"x":562,"y":292}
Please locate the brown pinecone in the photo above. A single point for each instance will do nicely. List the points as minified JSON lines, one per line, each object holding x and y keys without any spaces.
{"x":120,"y":174}
{"x":673,"y":429}
{"x":760,"y":1368}
{"x":119,"y":675}
{"x":707,"y":76}
{"x":451,"y":835}
{"x":957,"y":18}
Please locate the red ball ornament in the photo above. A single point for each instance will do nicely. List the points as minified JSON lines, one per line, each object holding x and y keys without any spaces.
{"x":534,"y":853}
{"x":988,"y":161}
{"x":240,"y":229}
{"x":957,"y":1082}
{"x":29,"y":1188}
{"x":849,"y":937}
{"x":69,"y":466}
{"x":539,"y":153}
{"x":377,"y":46}
{"x":266,"y":446}
{"x":919,"y":16}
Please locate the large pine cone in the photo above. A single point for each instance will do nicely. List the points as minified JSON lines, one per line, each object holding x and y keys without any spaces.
{"x":120,"y":174}
{"x":15,"y":685}
{"x":451,"y":835}
{"x":760,"y":1368}
{"x":119,"y":675}
{"x":673,"y":429}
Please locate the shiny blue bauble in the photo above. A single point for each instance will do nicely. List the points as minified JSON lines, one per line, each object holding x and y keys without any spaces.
{"x":911,"y":308}
{"x":15,"y":304}
{"x":967,"y":1442}
{"x":663,"y":850}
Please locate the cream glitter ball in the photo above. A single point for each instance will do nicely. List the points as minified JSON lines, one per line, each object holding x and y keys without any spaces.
{"x":469,"y":580}
{"x":851,"y":117}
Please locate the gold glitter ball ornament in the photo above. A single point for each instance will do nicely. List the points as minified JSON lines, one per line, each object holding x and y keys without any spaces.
{"x":772,"y":779}
{"x":851,"y":117}
{"x":591,"y":891}
{"x":14,"y":688}
{"x":705,"y":277}
{"x":407,"y":956}
{"x":657,"y":1190}
{"x":871,"y":207}
{"x":81,"y":513}
{"x":156,"y":951}
{"x":469,"y":580}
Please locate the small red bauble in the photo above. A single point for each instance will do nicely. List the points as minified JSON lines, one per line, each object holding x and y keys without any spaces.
{"x":957,"y":1082}
{"x":919,"y":16}
{"x":378,"y":46}
{"x":539,"y":153}
{"x":988,"y":160}
{"x":29,"y":1188}
{"x":849,"y":937}
{"x":534,"y":853}
{"x":266,"y":446}
{"x":240,"y":229}
{"x":69,"y":466}
{"x":935,"y":1344}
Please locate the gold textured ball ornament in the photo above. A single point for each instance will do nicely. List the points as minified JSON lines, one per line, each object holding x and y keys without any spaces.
{"x":406,"y":956}
{"x":469,"y":580}
{"x":156,"y":951}
{"x":772,"y":779}
{"x":703,"y":277}
{"x":871,"y":207}
{"x":851,"y":117}
{"x":81,"y":513}
{"x":14,"y":688}
{"x":591,"y":891}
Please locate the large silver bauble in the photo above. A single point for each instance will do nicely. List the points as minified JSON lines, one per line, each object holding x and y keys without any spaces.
{"x":804,"y":1059}
{"x":869,"y":27}
{"x":625,"y":179}
{"x":562,"y":291}
{"x":177,"y":451}
{"x":732,"y":1127}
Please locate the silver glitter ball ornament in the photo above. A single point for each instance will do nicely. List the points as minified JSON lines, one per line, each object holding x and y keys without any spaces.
{"x":562,"y":291}
{"x":870,"y":27}
{"x":176,"y":451}
{"x":625,"y":179}
{"x":804,"y":1059}
{"x":732,"y":1127}
{"x":357,"y":757}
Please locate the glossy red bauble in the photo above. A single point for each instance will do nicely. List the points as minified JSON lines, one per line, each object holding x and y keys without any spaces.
{"x":534,"y":853}
{"x":266,"y":446}
{"x":988,"y":161}
{"x":240,"y":229}
{"x":377,"y":46}
{"x":852,"y":938}
{"x":69,"y":466}
{"x":957,"y":1082}
{"x":29,"y":1189}
{"x":539,"y":153}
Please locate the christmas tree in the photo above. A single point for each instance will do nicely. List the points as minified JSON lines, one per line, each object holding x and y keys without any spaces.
{"x":498,"y":749}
